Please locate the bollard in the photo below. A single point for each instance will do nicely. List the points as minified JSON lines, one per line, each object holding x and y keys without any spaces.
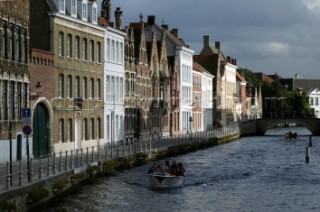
{"x":31,"y":170}
{"x":20,"y":173}
{"x":8,"y":187}
{"x":307,"y":154}
{"x":48,"y":167}
{"x":66,"y":162}
{"x":40,"y":168}
{"x":310,"y":140}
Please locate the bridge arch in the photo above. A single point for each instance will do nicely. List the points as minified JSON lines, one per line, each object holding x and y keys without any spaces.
{"x":261,"y":126}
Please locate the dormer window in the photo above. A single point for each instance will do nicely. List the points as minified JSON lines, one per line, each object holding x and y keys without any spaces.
{"x":94,"y":15}
{"x":62,"y":6}
{"x":74,"y":8}
{"x":84,"y":11}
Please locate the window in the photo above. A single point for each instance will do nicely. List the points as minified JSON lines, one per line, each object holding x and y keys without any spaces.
{"x":5,"y":99}
{"x":108,"y":89}
{"x":84,"y":129}
{"x":61,"y":86}
{"x":84,"y":49}
{"x":61,"y":44}
{"x":61,"y":133}
{"x":76,"y":47}
{"x":69,"y":46}
{"x":69,"y":130}
{"x":84,"y":88}
{"x":121,"y":90}
{"x":98,"y":52}
{"x":61,"y":6}
{"x":74,"y":8}
{"x":24,"y":46}
{"x":94,"y":15}
{"x":11,"y":42}
{"x":4,"y":40}
{"x":98,"y":128}
{"x":91,"y":88}
{"x":18,"y":42}
{"x":19,"y":102}
{"x":91,"y":49}
{"x":108,"y":48}
{"x":69,"y":87}
{"x":91,"y":128}
{"x":84,"y":11}
{"x":25,"y":94}
{"x":98,"y":89}
{"x":112,"y":51}
{"x":121,"y":53}
{"x":77,"y":87}
{"x":12,"y":98}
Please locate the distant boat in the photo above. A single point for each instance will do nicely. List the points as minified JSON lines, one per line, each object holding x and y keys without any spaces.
{"x":290,"y":135}
{"x":165,"y":175}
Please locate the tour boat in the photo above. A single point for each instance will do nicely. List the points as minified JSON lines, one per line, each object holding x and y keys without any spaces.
{"x":160,"y":180}
{"x":166,"y":175}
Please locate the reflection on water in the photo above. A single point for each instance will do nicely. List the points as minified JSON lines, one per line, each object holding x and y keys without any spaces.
{"x":252,"y":174}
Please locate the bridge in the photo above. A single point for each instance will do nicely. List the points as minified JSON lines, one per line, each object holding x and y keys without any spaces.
{"x":261,"y":126}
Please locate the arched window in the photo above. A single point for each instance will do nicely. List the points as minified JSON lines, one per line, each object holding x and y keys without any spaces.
{"x":69,"y":46}
{"x":61,"y":132}
{"x":61,"y":84}
{"x":77,"y":47}
{"x":61,"y":44}
{"x":69,"y":130}
{"x":69,"y":87}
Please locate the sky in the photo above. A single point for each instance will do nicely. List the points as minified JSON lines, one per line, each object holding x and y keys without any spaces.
{"x":269,"y":36}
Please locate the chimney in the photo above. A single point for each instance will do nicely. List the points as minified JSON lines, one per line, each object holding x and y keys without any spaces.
{"x":217,"y":45}
{"x":165,"y":26}
{"x":118,"y":16}
{"x":106,"y":10}
{"x":175,"y":32}
{"x":151,"y":20}
{"x":206,"y":41}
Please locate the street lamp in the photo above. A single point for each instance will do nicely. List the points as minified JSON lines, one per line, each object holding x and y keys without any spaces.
{"x":38,"y":88}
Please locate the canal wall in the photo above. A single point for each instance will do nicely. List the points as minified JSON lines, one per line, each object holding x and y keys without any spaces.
{"x":36,"y":195}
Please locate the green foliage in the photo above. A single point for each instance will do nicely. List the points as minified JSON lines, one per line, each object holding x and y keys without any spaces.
{"x":126,"y":162}
{"x":59,"y":185}
{"x":110,"y":165}
{"x":78,"y":176}
{"x":37,"y":195}
{"x":250,"y":76}
{"x":140,"y":159}
{"x":93,"y":169}
{"x":7,"y":206}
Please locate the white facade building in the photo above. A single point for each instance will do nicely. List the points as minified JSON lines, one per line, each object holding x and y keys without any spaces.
{"x":114,"y":71}
{"x":314,"y":100}
{"x":207,"y":101}
{"x":228,"y":93}
{"x":185,"y":61}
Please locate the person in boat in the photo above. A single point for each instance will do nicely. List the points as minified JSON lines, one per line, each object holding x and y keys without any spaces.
{"x":166,"y":166}
{"x":181,"y":170}
{"x":290,"y":134}
{"x":173,"y":168}
{"x":152,"y":169}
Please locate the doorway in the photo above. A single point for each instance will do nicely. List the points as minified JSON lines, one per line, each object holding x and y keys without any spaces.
{"x":40,"y":131}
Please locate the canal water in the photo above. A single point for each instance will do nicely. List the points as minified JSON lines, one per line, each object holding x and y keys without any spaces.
{"x":255,"y":174}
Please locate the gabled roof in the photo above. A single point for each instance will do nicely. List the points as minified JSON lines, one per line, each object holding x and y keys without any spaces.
{"x":52,"y":6}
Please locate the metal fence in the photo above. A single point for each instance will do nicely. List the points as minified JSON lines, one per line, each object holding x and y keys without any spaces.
{"x":24,"y":173}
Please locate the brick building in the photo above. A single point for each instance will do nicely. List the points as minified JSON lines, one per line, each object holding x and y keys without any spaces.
{"x":14,"y":78}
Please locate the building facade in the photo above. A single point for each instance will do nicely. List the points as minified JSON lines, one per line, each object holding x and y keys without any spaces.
{"x":70,"y":30}
{"x":14,"y":79}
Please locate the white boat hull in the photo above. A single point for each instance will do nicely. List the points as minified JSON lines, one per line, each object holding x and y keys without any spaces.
{"x":158,"y":180}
